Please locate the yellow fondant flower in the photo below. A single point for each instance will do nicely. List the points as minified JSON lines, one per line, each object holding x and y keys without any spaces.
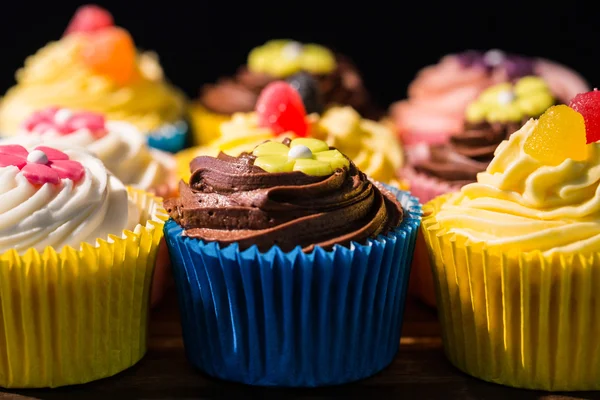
{"x":282,"y":58}
{"x":311,"y":156}
{"x":530,"y":96}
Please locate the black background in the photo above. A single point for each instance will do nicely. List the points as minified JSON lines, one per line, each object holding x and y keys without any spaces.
{"x":198,"y":41}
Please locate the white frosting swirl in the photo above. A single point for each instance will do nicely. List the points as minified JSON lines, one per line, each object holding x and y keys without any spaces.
{"x":123,"y":150}
{"x":67,"y":214}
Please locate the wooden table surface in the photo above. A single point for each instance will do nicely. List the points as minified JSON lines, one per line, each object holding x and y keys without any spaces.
{"x":419,"y":371}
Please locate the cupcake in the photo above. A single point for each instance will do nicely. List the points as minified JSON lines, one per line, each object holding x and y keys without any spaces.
{"x":371,"y":145}
{"x":499,"y":110}
{"x":338,"y":81}
{"x":95,"y":67}
{"x":439,"y":95}
{"x":119,"y":145}
{"x":77,"y":254}
{"x":290,"y":265}
{"x":515,"y":256}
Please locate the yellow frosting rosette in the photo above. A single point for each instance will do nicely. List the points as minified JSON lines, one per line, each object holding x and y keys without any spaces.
{"x":58,"y":75}
{"x":77,"y":315}
{"x":515,"y":258}
{"x":372,"y":146}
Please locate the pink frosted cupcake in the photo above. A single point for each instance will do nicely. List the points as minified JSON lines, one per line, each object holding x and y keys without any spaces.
{"x":437,"y":169}
{"x":439,"y":95}
{"x":500,"y":110}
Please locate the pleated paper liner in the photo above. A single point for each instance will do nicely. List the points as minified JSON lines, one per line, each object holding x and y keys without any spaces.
{"x":518,"y":319}
{"x":294,"y":319}
{"x":75,"y":316}
{"x":206,"y":124}
{"x":171,"y":137}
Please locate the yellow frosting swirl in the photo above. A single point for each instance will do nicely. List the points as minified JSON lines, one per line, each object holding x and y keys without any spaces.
{"x":530,"y":96}
{"x":55,"y":76}
{"x":371,"y":145}
{"x":521,"y":204}
{"x":282,"y":58}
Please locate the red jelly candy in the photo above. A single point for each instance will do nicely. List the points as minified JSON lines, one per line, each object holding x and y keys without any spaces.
{"x":588,"y":105}
{"x":280,"y":108}
{"x":89,"y":18}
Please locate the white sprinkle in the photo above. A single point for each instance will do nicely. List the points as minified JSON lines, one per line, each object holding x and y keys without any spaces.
{"x":62,"y":116}
{"x":494,"y":57}
{"x":37,"y":157}
{"x":292,"y":50}
{"x":300,"y":151}
{"x":506,"y":97}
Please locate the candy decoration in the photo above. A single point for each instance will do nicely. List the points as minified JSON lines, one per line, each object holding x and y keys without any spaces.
{"x":528,"y":97}
{"x":111,"y":52}
{"x":282,"y":58}
{"x":588,"y":105}
{"x":42,"y":165}
{"x":307,"y":86}
{"x":89,"y":18}
{"x":559,"y":135}
{"x":300,"y":151}
{"x":64,"y":122}
{"x":279,"y":108}
{"x":307,"y":155}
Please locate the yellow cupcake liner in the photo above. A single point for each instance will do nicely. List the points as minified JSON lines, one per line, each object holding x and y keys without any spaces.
{"x":206,"y":124}
{"x":75,"y":316}
{"x":519,"y":319}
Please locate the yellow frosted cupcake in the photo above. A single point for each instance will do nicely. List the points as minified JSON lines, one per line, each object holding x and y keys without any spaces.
{"x":515,"y":257}
{"x":322,"y":77}
{"x":77,"y":254}
{"x":371,"y":145}
{"x":95,"y":67}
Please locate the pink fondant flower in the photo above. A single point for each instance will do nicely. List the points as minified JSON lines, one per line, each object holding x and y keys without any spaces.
{"x":42,"y":165}
{"x":65,"y":122}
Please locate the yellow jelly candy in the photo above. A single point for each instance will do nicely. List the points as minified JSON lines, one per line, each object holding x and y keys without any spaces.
{"x":559,"y":135}
{"x":270,"y":149}
{"x":315,"y":145}
{"x":313,"y":167}
{"x":275,"y":163}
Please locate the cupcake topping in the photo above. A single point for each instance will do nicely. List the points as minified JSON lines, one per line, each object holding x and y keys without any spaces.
{"x":232,"y":200}
{"x":282,"y":58}
{"x":311,"y":156}
{"x":63,"y":121}
{"x":588,"y":105}
{"x":558,"y":135}
{"x":308,"y":88}
{"x":506,"y":102}
{"x":42,"y":165}
{"x":514,"y":66}
{"x":89,"y":18}
{"x":280,"y":108}
{"x":109,"y":50}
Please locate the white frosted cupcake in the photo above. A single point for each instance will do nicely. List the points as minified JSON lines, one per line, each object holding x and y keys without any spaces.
{"x":119,"y":145}
{"x":77,"y":255}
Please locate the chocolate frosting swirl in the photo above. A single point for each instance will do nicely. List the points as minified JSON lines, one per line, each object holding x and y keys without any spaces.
{"x":467,"y":154}
{"x":230,"y":200}
{"x":344,"y":86}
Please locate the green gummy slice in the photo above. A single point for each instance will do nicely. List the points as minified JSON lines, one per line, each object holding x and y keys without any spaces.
{"x":275,"y":163}
{"x":313,"y":167}
{"x":315,"y":145}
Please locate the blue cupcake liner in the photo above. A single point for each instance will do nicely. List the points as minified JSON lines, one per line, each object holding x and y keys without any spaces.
{"x":294,"y":319}
{"x":171,"y":137}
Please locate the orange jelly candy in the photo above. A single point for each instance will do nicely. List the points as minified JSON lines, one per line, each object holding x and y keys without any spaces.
{"x":111,"y":52}
{"x":559,"y":134}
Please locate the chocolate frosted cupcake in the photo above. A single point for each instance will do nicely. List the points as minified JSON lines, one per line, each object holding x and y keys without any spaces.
{"x":338,"y":83}
{"x":498,"y":112}
{"x":291,"y":265}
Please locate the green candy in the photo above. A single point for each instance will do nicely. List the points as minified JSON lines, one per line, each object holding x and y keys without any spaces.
{"x":315,"y":145}
{"x":275,"y":164}
{"x":313,"y":167}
